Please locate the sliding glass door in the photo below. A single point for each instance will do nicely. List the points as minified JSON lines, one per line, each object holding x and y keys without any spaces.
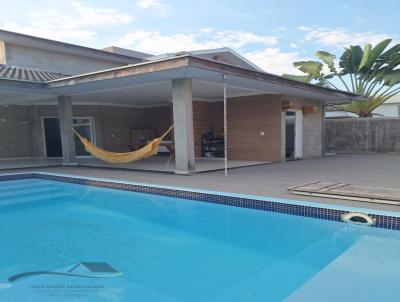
{"x":52,"y":135}
{"x":84,"y":126}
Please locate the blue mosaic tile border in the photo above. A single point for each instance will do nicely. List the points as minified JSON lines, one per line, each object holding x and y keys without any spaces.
{"x":17,"y":176}
{"x":380,"y":221}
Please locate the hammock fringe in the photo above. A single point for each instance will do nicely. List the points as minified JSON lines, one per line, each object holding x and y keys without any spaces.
{"x":122,"y":158}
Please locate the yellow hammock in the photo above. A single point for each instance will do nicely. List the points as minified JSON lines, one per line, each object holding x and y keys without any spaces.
{"x":126,"y":157}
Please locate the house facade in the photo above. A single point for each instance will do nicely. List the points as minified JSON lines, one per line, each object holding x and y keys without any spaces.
{"x":391,"y":108}
{"x":116,"y":97}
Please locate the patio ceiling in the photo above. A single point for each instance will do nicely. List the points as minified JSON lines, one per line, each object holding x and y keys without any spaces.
{"x":149,"y":84}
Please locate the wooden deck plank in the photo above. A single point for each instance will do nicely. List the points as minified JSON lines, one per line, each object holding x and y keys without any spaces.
{"x":348,"y":191}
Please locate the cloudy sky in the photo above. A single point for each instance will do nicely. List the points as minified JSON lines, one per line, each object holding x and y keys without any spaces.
{"x":272,"y":34}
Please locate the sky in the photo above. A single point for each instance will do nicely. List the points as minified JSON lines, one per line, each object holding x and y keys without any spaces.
{"x":272,"y":34}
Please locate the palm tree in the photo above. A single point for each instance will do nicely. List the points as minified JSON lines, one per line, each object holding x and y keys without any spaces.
{"x":372,"y":72}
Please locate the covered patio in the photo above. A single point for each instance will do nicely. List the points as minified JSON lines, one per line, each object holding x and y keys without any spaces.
{"x":184,"y":90}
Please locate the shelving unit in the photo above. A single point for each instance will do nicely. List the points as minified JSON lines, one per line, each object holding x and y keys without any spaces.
{"x":212,"y":146}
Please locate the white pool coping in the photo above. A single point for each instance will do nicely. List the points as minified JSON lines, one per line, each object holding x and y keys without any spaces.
{"x":222,"y":193}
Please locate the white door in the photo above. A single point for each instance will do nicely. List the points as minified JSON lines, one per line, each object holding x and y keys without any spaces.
{"x":293,"y":131}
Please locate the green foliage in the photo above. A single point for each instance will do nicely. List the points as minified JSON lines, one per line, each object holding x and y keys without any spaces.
{"x":369,"y":71}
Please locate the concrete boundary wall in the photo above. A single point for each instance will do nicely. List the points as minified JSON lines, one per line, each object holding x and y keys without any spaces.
{"x":358,"y":135}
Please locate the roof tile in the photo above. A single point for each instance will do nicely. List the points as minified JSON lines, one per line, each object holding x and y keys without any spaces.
{"x":9,"y":72}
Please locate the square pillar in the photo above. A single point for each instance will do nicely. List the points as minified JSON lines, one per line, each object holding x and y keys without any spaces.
{"x":67,"y":136}
{"x":37,"y":135}
{"x":183,"y":126}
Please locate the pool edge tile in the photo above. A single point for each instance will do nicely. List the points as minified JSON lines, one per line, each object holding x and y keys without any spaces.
{"x":237,"y":200}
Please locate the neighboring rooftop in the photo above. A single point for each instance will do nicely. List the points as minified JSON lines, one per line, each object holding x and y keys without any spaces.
{"x":122,"y":55}
{"x":127,"y":52}
{"x":393,"y":100}
{"x":223,"y":55}
{"x":41,"y":43}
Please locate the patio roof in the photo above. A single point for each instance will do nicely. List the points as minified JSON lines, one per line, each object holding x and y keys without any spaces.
{"x":151,"y":81}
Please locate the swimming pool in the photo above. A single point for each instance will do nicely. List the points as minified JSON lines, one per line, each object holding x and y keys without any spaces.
{"x":158,"y":248}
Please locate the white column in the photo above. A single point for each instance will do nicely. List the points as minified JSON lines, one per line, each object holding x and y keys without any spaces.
{"x":37,"y":135}
{"x":183,"y":126}
{"x":323,"y":130}
{"x":67,"y":136}
{"x":298,"y":138}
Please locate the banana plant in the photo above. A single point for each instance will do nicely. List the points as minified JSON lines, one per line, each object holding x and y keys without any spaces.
{"x":370,"y":71}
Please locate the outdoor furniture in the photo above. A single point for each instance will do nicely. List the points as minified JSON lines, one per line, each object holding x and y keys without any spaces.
{"x":140,"y":136}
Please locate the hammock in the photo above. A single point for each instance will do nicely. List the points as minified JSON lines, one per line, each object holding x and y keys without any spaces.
{"x":126,"y":157}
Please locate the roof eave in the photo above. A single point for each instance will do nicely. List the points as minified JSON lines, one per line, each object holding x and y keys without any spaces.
{"x":124,"y":71}
{"x":23,"y":84}
{"x":271,"y":78}
{"x":196,"y":62}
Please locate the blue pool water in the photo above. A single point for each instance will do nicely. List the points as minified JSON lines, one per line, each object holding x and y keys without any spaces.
{"x":169,"y":249}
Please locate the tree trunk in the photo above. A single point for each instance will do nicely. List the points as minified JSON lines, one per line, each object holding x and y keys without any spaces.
{"x":364,"y":115}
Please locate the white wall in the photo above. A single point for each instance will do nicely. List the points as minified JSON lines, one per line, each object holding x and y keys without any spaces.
{"x":389,"y":110}
{"x":312,"y":129}
{"x":312,"y":132}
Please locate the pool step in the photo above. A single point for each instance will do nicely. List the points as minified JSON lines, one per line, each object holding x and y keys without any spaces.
{"x":4,"y":188}
{"x":368,"y":271}
{"x":279,"y":280}
{"x":37,"y":199}
{"x":16,"y":194}
{"x":31,"y":193}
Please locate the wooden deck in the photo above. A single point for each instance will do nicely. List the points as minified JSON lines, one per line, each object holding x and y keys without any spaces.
{"x":348,"y":191}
